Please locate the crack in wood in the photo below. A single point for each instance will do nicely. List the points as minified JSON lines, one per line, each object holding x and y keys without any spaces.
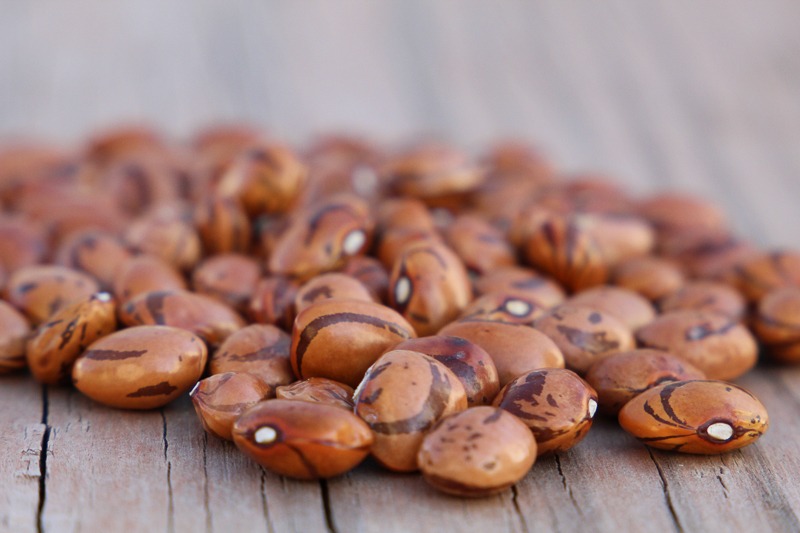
{"x":171,"y":506}
{"x":206,"y":496}
{"x":517,"y":509}
{"x":264,"y":506}
{"x":567,"y":487}
{"x":667,"y":496}
{"x":326,"y":506}
{"x":43,"y":460}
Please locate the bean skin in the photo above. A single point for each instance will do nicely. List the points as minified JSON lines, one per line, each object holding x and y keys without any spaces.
{"x":585,"y":335}
{"x":340,"y":339}
{"x":515,"y":349}
{"x":476,"y":453}
{"x":220,"y":399}
{"x":14,"y":331}
{"x":715,"y":343}
{"x":141,"y":367}
{"x":561,"y":248}
{"x":259,"y":349}
{"x":468,"y":361}
{"x":401,"y":397}
{"x":302,"y":440}
{"x":702,"y":417}
{"x":212,"y":320}
{"x":320,"y":390}
{"x":39,"y":291}
{"x":622,"y":376}
{"x":555,"y":403}
{"x":429,"y":286}
{"x":57,"y":343}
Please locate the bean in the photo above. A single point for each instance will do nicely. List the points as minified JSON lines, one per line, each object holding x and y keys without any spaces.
{"x":340,"y":339}
{"x":620,"y":377}
{"x":57,"y":343}
{"x":556,"y":404}
{"x":476,"y":453}
{"x":262,"y":350}
{"x":400,"y":398}
{"x":704,"y":417}
{"x":714,"y":343}
{"x":222,"y":398}
{"x":140,"y":367}
{"x":302,"y":440}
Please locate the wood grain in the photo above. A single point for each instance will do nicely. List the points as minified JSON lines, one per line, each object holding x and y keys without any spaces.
{"x":700,"y":97}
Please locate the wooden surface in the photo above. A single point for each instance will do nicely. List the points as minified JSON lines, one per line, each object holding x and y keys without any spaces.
{"x":700,"y":96}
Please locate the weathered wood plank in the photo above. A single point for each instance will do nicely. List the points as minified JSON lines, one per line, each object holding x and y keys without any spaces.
{"x":106,"y":470}
{"x":21,"y":438}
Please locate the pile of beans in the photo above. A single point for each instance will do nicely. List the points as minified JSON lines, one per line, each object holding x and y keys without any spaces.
{"x":454,"y":315}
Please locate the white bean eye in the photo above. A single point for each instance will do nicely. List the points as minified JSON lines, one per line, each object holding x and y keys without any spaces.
{"x":517,"y":307}
{"x":592,"y":407}
{"x":353,"y":241}
{"x":265,"y":435}
{"x":720,"y":431}
{"x":402,"y":290}
{"x":103,"y":297}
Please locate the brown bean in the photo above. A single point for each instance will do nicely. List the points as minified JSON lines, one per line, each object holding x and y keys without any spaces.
{"x":564,"y":249}
{"x":39,"y":291}
{"x":585,"y":335}
{"x":302,"y":440}
{"x":340,"y":339}
{"x":330,"y":286}
{"x":172,"y":240}
{"x":479,"y":245}
{"x":212,"y":320}
{"x":220,"y":399}
{"x":620,"y":237}
{"x":627,"y":306}
{"x":515,"y":349}
{"x":146,"y":273}
{"x":266,"y":178}
{"x":433,"y":173}
{"x":273,"y":302}
{"x":468,"y":361}
{"x":704,"y":417}
{"x":230,"y":278}
{"x":503,"y":307}
{"x":407,"y":214}
{"x":14,"y":331}
{"x":715,"y":343}
{"x":371,"y":273}
{"x":320,"y":390}
{"x":97,"y":253}
{"x":429,"y":286}
{"x":706,"y":296}
{"x":617,"y":379}
{"x":652,"y":277}
{"x":767,"y":271}
{"x":141,"y":367}
{"x":675,"y":213}
{"x":22,"y":242}
{"x":57,"y":343}
{"x":400,"y":398}
{"x":223,"y":226}
{"x":320,"y":238}
{"x":262,"y":350}
{"x":777,"y":324}
{"x":555,"y":403}
{"x":523,"y":282}
{"x":393,"y":242}
{"x":477,"y":452}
